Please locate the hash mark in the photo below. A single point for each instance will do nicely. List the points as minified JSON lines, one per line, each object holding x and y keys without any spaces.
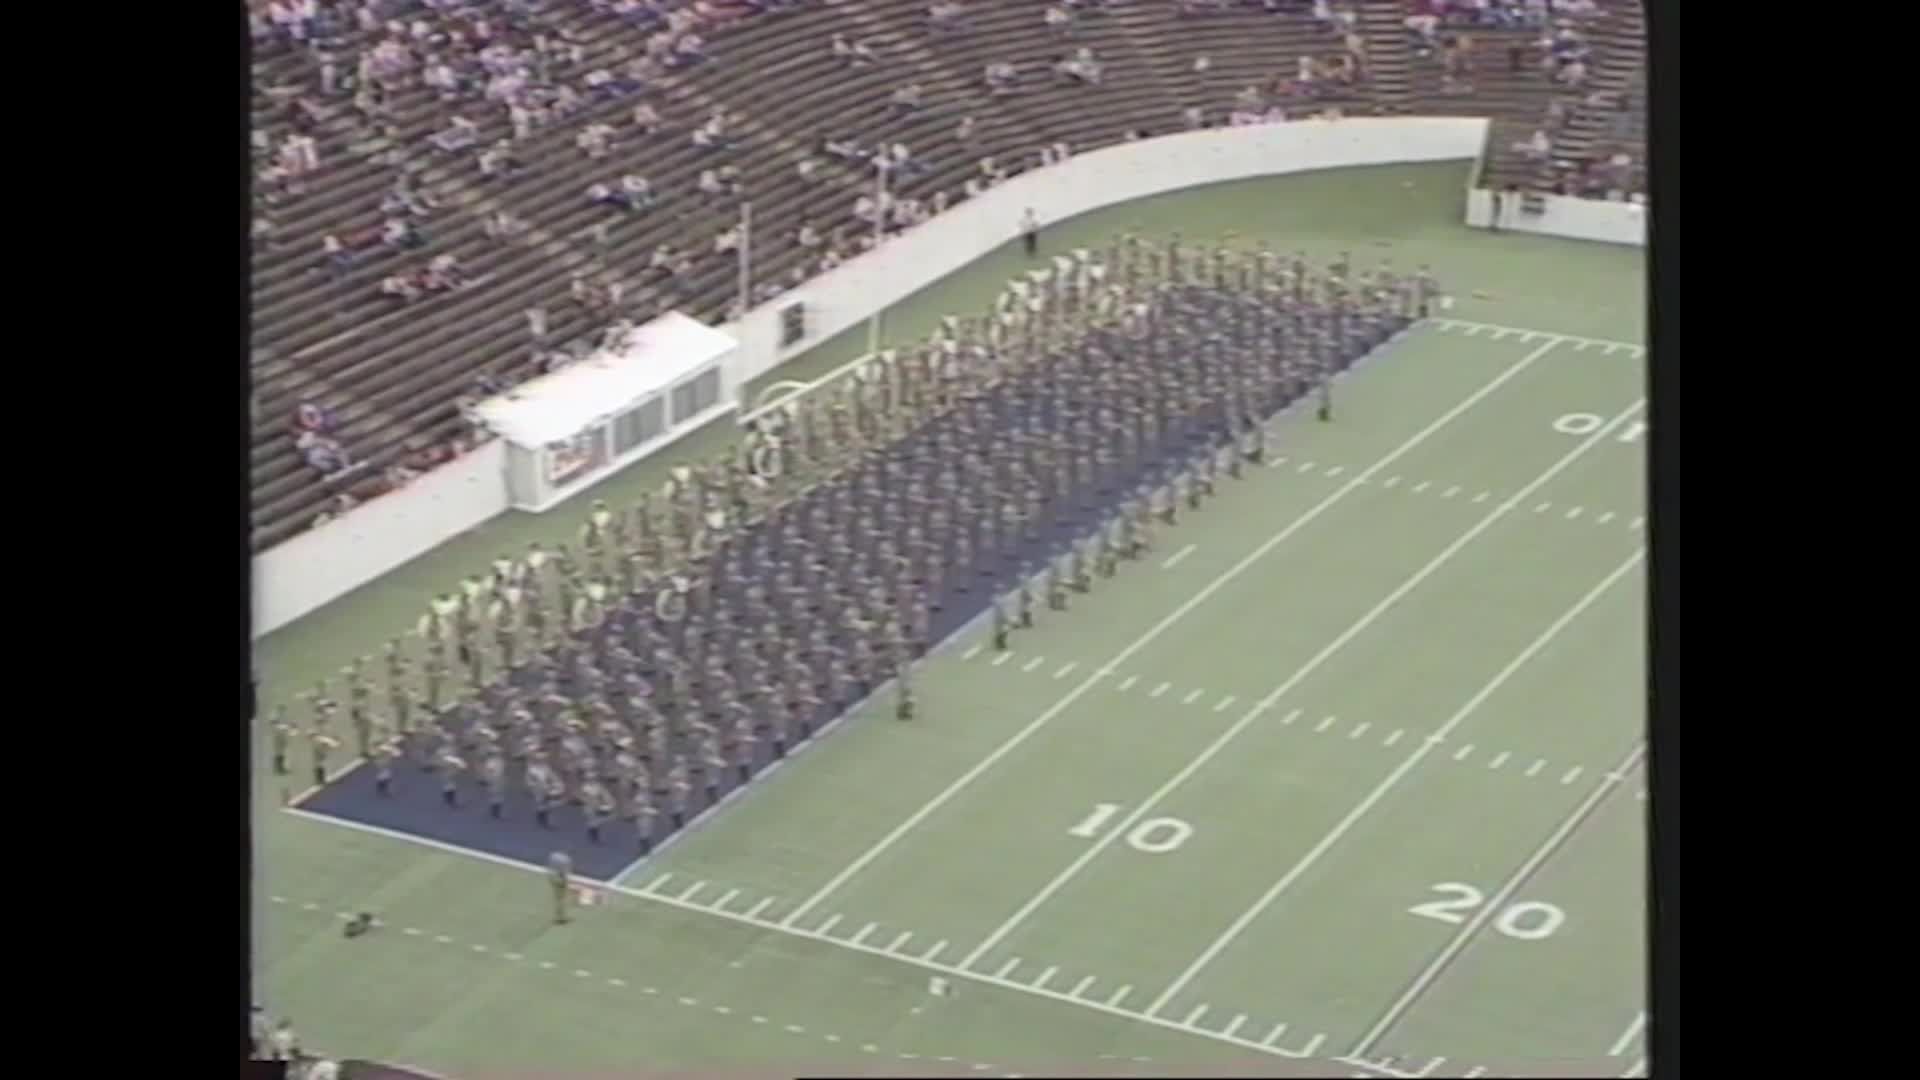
{"x":721,"y":904}
{"x":1065,"y":671}
{"x":1606,"y":517}
{"x":1290,"y":717}
{"x":1542,"y":508}
{"x":1007,"y":967}
{"x":1306,"y":466}
{"x":1393,"y":481}
{"x":971,"y":652}
{"x":1575,"y":512}
{"x":905,"y":936}
{"x":1081,"y":987}
{"x":1193,"y":697}
{"x":1336,"y":470}
{"x":658,"y":883}
{"x":1360,"y":729}
{"x":1041,"y":982}
{"x":1034,"y":663}
{"x":691,"y":889}
{"x":1395,"y":737}
{"x":825,"y":927}
{"x":1450,"y":492}
{"x":1571,"y":775}
{"x":1325,"y":724}
{"x":1119,"y":996}
{"x":1278,"y":1030}
{"x":1421,"y":486}
{"x":1499,"y":759}
{"x":1636,"y":522}
{"x":938,"y":948}
{"x":1224,"y":702}
{"x":1461,"y":754}
{"x":1233,"y":1027}
{"x":1483,"y":496}
{"x":864,"y":931}
{"x":1194,"y":1016}
{"x":760,"y":907}
{"x":1002,"y":658}
{"x":1536,"y":766}
{"x":1161,"y":689}
{"x":1127,"y":683}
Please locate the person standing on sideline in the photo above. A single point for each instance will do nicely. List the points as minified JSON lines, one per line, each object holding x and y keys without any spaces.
{"x":1496,"y":209}
{"x":560,"y":873}
{"x":1030,"y":232}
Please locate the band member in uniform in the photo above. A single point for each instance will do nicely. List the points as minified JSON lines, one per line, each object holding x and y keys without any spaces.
{"x":493,"y":777}
{"x":384,"y":755}
{"x":283,"y":734}
{"x":451,"y":765}
{"x":323,"y":744}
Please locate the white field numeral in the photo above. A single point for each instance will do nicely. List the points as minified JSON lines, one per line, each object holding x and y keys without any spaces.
{"x":1155,"y":836}
{"x":1528,"y":920}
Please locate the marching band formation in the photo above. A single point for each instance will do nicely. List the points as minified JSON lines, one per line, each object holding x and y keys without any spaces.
{"x":680,"y":646}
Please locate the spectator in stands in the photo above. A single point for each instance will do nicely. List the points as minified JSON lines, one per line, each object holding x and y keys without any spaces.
{"x":728,"y":241}
{"x":907,"y":98}
{"x":660,"y":264}
{"x":1000,"y":77}
{"x":401,"y":235}
{"x":499,"y":162}
{"x":322,"y":453}
{"x":1536,"y":149}
{"x":1194,"y":117}
{"x":689,"y":49}
{"x":460,"y":133}
{"x":965,"y":132}
{"x":503,"y":226}
{"x":809,"y":169}
{"x":1202,"y":64}
{"x":1057,"y":20}
{"x":603,"y":194}
{"x":646,"y":119}
{"x":808,"y":237}
{"x":844,"y":149}
{"x":712,"y":135}
{"x":1056,"y":154}
{"x":853,"y":54}
{"x":399,"y":476}
{"x":1081,"y":68}
{"x":444,"y":273}
{"x":709,"y":186}
{"x":638,"y":190}
{"x":947,"y":17}
{"x":593,"y":140}
{"x":904,"y":164}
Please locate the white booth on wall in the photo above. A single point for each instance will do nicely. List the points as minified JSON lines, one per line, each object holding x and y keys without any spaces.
{"x":566,"y":430}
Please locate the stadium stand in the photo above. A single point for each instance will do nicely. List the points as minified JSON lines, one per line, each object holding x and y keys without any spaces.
{"x":411,"y":231}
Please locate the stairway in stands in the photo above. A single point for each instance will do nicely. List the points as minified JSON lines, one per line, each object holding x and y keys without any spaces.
{"x":1619,"y":56}
{"x":1389,"y":58}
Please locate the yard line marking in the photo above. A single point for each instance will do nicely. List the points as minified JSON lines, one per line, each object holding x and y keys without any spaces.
{"x":1191,"y":698}
{"x":972,"y":651}
{"x":1392,"y":481}
{"x":1228,"y":1031}
{"x":1450,"y":492}
{"x":1461,"y":754}
{"x":1193,"y":1018}
{"x":722,"y":902}
{"x":1483,"y":496}
{"x":938,"y":948}
{"x":658,"y":883}
{"x":1325,"y":724}
{"x":1174,"y":559}
{"x":1400,"y":771}
{"x":760,"y":907}
{"x":1499,"y":759}
{"x":1290,"y":717}
{"x":905,"y":936}
{"x":1034,"y":663}
{"x":1127,"y":683}
{"x":1499,"y":900}
{"x":864,"y":931}
{"x":1002,"y":658}
{"x":1065,"y":671}
{"x":1004,"y":968}
{"x":1395,"y":737}
{"x":1538,"y":764}
{"x":1224,"y":703}
{"x":1360,"y":730}
{"x":1119,"y":996}
{"x":1041,"y":982}
{"x":1421,"y":486}
{"x":1161,"y":689}
{"x":1572,"y":775}
{"x":966,"y":779}
{"x":1606,"y":517}
{"x":1278,"y":1030}
{"x":1626,"y":1037}
{"x":1336,"y":470}
{"x":825,"y":927}
{"x":1080,"y":987}
{"x":691,"y":889}
{"x":1575,"y":512}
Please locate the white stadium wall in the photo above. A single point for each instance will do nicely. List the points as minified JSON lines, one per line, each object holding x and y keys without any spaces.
{"x":1564,"y":216}
{"x":323,"y":564}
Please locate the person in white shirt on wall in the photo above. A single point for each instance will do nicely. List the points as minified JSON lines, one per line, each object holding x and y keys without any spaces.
{"x":1030,"y":232}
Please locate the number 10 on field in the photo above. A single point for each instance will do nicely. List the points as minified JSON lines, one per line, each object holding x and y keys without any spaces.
{"x":1155,"y":836}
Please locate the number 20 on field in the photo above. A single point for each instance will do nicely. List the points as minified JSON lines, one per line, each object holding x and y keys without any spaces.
{"x":1155,"y":836}
{"x":1529,"y":920}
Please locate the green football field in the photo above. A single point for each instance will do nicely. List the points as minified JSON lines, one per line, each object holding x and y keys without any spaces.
{"x":1346,"y":778}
